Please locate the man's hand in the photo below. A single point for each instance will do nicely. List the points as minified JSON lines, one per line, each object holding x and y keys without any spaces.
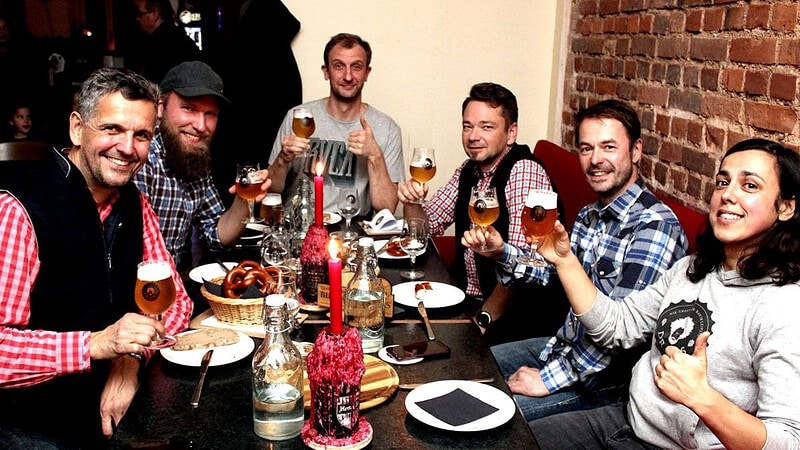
{"x":130,"y":334}
{"x":291,"y":146}
{"x":527,"y":381}
{"x":118,"y":392}
{"x":362,"y":142}
{"x":476,"y":238}
{"x":411,"y":192}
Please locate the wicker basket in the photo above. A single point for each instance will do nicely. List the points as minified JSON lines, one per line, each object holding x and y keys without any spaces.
{"x":237,"y":311}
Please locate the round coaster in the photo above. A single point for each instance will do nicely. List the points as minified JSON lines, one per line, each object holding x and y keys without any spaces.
{"x":384,"y":355}
{"x":317,"y":442}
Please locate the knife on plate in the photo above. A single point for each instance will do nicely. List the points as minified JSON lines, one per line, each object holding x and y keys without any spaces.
{"x":199,"y":388}
{"x":416,"y":385}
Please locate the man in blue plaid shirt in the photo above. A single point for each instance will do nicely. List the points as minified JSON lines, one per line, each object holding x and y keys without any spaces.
{"x":177,"y":178}
{"x":625,"y":241}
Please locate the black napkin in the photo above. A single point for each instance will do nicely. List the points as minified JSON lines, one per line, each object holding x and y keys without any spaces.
{"x":457,"y":408}
{"x":216,"y":289}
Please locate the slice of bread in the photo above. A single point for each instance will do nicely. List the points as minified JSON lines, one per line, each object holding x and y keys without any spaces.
{"x":206,"y":338}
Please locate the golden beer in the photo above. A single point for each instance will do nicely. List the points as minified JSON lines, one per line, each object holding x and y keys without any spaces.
{"x":272,"y":209}
{"x":422,"y":171}
{"x":303,"y":123}
{"x":155,"y":289}
{"x":539,"y":214}
{"x":247,"y":189}
{"x":483,"y":212}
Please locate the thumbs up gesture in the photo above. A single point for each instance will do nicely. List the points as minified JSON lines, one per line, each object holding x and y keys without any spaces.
{"x":362,"y":142}
{"x":682,"y":377}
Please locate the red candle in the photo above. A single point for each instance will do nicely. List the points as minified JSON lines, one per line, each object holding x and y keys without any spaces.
{"x":335,"y":280}
{"x":318,"y":190}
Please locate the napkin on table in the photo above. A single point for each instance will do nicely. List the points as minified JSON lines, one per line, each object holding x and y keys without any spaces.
{"x":384,"y":220}
{"x":457,"y":407}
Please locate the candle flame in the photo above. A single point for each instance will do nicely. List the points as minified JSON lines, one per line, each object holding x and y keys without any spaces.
{"x":319,"y":168}
{"x":333,"y":249}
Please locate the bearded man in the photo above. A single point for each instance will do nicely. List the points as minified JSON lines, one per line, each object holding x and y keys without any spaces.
{"x":177,"y":177}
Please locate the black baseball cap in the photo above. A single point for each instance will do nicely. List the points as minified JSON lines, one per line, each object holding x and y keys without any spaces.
{"x":193,"y":79}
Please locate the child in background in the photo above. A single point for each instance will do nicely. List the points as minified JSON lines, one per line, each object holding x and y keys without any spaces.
{"x":20,"y":123}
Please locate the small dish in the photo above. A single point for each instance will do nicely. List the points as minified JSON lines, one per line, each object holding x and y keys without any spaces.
{"x":384,"y":355}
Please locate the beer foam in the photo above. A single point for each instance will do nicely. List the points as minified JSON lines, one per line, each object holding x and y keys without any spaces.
{"x":542,"y":197}
{"x":154,"y":271}
{"x":272,"y":199}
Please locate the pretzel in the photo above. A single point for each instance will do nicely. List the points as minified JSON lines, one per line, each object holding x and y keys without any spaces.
{"x":246,"y":274}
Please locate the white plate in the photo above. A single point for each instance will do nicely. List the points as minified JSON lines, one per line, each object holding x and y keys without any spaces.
{"x":333,"y":218}
{"x":384,"y":355}
{"x":225,"y":354}
{"x":443,"y":295}
{"x":488,"y":394}
{"x":386,"y":255}
{"x":209,"y":271}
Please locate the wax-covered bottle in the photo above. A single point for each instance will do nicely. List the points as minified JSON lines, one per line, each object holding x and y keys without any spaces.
{"x":277,"y":377}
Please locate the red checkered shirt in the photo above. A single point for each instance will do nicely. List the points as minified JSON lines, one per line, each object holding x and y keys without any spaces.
{"x":525,"y":175}
{"x":29,"y":357}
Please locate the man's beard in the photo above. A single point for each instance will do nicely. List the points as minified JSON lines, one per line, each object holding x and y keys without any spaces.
{"x":187,"y":163}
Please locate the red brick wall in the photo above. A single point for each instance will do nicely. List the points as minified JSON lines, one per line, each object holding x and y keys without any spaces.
{"x":703,"y":74}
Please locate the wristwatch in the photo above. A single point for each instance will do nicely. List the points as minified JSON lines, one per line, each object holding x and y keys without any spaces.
{"x":483,"y":318}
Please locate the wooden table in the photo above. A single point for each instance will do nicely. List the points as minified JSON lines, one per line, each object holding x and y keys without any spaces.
{"x":160,"y":416}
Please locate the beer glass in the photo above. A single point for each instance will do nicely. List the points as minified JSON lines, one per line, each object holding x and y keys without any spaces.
{"x":423,"y":166}
{"x":303,"y":122}
{"x":272,"y":209}
{"x":484,"y":208}
{"x":248,"y":186}
{"x":538,"y":218}
{"x":414,"y":241}
{"x":349,"y":207}
{"x":155,"y":294}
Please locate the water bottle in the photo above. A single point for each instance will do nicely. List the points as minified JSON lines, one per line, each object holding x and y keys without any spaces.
{"x":277,"y":377}
{"x":364,"y":307}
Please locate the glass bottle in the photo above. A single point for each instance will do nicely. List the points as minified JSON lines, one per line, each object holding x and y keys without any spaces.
{"x":277,"y":377}
{"x":364,"y":302}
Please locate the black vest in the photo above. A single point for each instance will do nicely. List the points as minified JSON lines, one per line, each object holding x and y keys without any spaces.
{"x":470,"y":175}
{"x":85,"y":282}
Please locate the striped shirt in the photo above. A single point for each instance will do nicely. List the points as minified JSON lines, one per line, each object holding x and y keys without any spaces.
{"x":623,"y":246}
{"x":525,"y":175}
{"x":29,"y":357}
{"x":180,"y":204}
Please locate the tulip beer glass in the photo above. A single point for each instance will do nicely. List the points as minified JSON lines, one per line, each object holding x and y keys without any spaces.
{"x":248,"y":186}
{"x":155,"y":294}
{"x":414,"y":241}
{"x":423,"y":165}
{"x":484,"y":208}
{"x":303,"y":122}
{"x":538,"y":218}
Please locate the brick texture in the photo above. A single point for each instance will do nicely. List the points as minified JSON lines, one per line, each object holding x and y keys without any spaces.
{"x":703,"y":75}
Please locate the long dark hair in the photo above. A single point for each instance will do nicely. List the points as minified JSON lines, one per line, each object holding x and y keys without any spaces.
{"x":777,"y":252}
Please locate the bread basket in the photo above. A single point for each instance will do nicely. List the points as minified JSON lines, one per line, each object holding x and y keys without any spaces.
{"x":237,"y":311}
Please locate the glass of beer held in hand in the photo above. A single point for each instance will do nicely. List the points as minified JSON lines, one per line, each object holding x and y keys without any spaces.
{"x":155,"y":294}
{"x":423,"y":165}
{"x":484,"y":208}
{"x":248,"y":186}
{"x":303,"y":122}
{"x":538,"y":218}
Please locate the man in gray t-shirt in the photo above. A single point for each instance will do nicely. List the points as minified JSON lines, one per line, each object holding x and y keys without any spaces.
{"x":360,"y":146}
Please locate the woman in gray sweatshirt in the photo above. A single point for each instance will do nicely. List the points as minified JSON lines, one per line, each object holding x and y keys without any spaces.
{"x":723,"y":369}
